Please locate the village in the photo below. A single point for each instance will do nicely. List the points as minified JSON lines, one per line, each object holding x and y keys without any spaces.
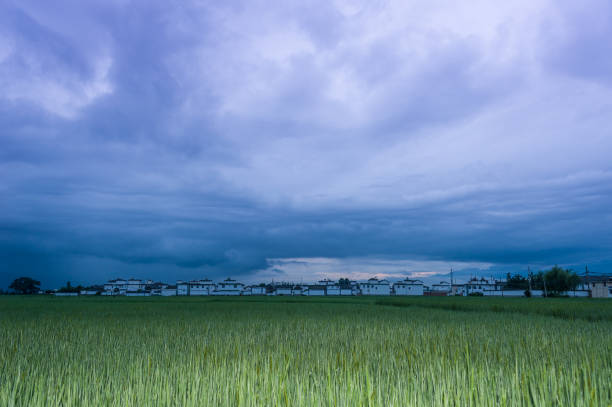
{"x":589,"y":286}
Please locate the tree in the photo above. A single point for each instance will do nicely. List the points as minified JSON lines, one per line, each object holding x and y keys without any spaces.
{"x":70,"y":289}
{"x":558,"y":280}
{"x":516,"y":282}
{"x":537,"y":281}
{"x":344,"y":283}
{"x":25,"y":285}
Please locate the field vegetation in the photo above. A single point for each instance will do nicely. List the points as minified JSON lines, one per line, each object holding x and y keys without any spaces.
{"x":303,"y":351}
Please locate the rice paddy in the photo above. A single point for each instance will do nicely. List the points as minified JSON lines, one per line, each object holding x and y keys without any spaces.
{"x":303,"y":351}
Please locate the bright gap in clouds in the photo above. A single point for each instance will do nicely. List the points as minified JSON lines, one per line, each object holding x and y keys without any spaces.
{"x":311,"y":270}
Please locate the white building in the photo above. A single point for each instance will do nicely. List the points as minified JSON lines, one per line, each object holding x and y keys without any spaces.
{"x":355,"y":290}
{"x":408,"y":287}
{"x":347,"y":291}
{"x":284,"y":289}
{"x":298,"y":290}
{"x":201,"y":287}
{"x":258,"y":290}
{"x":481,"y":286}
{"x":116,"y":287}
{"x":333,"y":289}
{"x":228,"y":287}
{"x":315,"y":290}
{"x":375,"y":286}
{"x":134,"y":285}
{"x":182,"y":288}
{"x":597,"y":286}
{"x":441,"y":287}
{"x":168,"y":291}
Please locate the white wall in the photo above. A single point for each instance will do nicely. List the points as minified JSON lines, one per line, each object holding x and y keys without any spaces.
{"x":409,"y":289}
{"x":206,"y":290}
{"x":375,"y":289}
{"x":333,"y":290}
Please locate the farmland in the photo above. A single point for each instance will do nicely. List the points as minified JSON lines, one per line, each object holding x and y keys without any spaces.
{"x":304,"y":351}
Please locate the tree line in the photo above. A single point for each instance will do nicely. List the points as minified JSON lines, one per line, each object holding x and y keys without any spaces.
{"x":553,"y":282}
{"x":27,"y":286}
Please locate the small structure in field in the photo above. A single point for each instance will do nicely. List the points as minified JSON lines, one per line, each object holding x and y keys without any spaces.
{"x":92,"y":290}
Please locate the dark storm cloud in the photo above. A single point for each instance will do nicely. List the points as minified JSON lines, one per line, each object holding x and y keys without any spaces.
{"x":152,"y":140}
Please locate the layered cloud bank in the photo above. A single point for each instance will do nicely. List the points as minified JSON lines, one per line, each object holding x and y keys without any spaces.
{"x":143,"y":138}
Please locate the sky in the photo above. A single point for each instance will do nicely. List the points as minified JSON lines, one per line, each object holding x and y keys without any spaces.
{"x":295,"y":141}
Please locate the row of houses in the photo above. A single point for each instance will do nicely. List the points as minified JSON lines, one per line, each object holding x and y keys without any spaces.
{"x":589,"y":287}
{"x":593,"y":286}
{"x":374,"y":286}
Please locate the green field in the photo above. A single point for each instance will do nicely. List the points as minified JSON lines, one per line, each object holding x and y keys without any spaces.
{"x":303,"y":351}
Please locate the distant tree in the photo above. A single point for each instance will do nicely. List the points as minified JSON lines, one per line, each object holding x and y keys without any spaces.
{"x":537,"y":281}
{"x":68,"y":288}
{"x":516,"y":282}
{"x":344,"y":283}
{"x":25,"y":285}
{"x":558,"y":280}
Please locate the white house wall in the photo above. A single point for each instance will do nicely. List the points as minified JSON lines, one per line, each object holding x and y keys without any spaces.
{"x":375,"y":290}
{"x":409,"y":290}
{"x":199,"y":291}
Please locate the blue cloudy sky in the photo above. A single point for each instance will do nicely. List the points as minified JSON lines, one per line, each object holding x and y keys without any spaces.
{"x":303,"y":139}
